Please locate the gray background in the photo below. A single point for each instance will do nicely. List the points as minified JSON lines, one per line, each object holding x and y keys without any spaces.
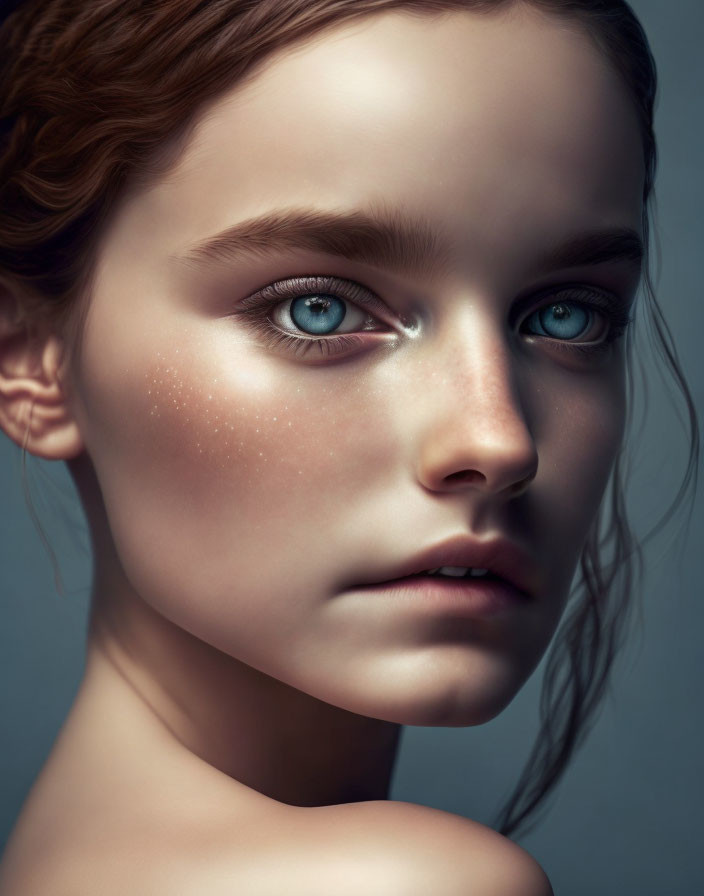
{"x":626,"y":818}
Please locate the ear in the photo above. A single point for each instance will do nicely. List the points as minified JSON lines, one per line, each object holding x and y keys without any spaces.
{"x":34,"y":410}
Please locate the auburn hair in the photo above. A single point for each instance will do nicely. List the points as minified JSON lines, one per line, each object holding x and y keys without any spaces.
{"x":95,"y":101}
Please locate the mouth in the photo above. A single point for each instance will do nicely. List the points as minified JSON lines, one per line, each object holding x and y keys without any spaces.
{"x":471,"y":594}
{"x":464,"y":562}
{"x":458,"y":572}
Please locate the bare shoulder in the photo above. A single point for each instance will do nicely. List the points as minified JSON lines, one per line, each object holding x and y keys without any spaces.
{"x":359,"y":849}
{"x":374,"y":849}
{"x":421,"y":850}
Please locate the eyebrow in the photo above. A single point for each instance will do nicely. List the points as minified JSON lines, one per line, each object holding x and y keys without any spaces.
{"x":610,"y":245}
{"x":392,"y":240}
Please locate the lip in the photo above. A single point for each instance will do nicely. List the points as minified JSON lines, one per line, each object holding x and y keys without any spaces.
{"x":511,"y":563}
{"x":457,"y":597}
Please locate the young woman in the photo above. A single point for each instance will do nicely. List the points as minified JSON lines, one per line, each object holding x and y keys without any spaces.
{"x":325,"y":303}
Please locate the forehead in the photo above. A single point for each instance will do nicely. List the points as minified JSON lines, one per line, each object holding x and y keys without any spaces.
{"x":475,"y":122}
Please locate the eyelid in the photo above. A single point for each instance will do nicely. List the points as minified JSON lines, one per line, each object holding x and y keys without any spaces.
{"x":292,"y":287}
{"x":259,"y":305}
{"x":614,"y":308}
{"x":574,"y":292}
{"x":614,"y":311}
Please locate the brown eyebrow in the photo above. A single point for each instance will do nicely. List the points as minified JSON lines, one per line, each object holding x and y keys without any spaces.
{"x":597,"y":247}
{"x":391,"y":240}
{"x":382,"y":239}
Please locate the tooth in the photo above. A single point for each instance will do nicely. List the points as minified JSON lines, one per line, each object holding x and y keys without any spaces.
{"x":457,"y":571}
{"x":453,"y":570}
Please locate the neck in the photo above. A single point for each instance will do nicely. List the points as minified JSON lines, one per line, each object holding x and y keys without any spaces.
{"x":265,"y":734}
{"x":260,"y":731}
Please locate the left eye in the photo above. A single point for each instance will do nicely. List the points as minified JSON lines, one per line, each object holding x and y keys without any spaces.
{"x":565,"y":320}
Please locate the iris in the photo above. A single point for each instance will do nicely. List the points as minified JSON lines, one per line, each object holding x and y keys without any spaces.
{"x":564,"y":320}
{"x":318,"y":313}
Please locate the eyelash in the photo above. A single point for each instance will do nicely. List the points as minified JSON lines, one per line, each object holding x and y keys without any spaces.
{"x":256,"y":309}
{"x":591,"y":299}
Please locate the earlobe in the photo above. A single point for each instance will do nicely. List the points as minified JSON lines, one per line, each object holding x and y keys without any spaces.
{"x":34,"y":410}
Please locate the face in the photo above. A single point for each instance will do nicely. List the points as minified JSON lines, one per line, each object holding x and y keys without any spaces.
{"x":299,"y":409}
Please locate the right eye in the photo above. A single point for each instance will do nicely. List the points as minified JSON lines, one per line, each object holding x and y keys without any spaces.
{"x":320,"y":314}
{"x":303,"y":313}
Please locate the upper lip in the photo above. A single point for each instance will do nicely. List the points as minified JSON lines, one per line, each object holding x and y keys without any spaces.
{"x":500,"y":556}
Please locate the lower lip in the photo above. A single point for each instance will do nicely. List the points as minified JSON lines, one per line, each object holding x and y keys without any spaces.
{"x":471,"y":597}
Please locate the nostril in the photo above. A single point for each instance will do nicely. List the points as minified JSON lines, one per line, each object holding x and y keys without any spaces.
{"x":466,"y":476}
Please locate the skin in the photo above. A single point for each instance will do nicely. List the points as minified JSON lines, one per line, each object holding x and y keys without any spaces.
{"x":235,"y":489}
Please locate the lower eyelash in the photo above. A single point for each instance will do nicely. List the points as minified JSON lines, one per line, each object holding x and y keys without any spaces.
{"x":618,"y":320}
{"x":302,"y":345}
{"x":616,"y":332}
{"x":618,"y":324}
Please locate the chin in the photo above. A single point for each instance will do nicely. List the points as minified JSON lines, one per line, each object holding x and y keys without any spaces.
{"x":463,"y":702}
{"x":452,"y":711}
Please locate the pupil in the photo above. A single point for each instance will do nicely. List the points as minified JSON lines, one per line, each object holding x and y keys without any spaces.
{"x":318,"y":314}
{"x":564,"y":320}
{"x":317,"y":304}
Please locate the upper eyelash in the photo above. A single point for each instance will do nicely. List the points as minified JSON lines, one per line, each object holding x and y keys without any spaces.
{"x":256,"y":305}
{"x":292,"y":288}
{"x":590,"y":297}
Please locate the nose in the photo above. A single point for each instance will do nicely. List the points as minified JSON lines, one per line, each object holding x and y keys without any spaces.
{"x":475,"y":435}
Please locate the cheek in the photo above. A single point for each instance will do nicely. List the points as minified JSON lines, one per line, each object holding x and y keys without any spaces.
{"x":277,"y":442}
{"x":226,"y":474}
{"x":581,"y":439}
{"x":588,"y":435}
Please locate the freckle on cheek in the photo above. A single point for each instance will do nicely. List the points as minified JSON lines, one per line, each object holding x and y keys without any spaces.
{"x":259,"y":438}
{"x":199,"y":417}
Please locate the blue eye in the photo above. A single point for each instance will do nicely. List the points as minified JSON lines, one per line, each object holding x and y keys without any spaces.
{"x":318,"y":314}
{"x":322,"y":316}
{"x":561,"y":320}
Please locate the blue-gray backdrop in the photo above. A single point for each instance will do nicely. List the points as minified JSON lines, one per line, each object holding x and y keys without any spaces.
{"x":626,"y":820}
